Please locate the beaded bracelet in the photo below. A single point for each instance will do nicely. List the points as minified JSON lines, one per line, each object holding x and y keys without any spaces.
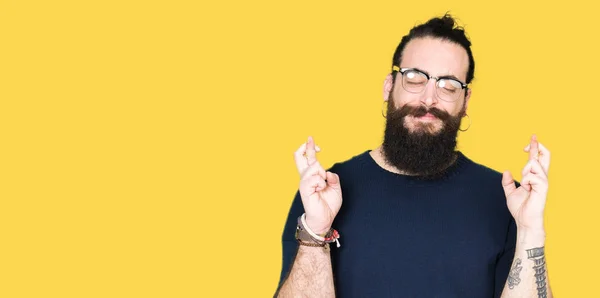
{"x":331,"y":236}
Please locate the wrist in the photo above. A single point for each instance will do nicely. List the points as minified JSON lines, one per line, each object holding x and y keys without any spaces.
{"x":305,"y":234}
{"x":531,"y":237}
{"x":319,"y":231}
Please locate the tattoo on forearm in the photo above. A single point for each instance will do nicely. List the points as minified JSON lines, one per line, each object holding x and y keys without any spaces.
{"x":513,"y":276}
{"x":535,"y":252}
{"x":539,"y":265}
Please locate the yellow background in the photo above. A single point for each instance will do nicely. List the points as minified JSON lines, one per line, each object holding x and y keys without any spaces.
{"x":146,"y":146}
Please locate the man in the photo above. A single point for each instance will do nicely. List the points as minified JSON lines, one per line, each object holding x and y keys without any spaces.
{"x":418,"y":219}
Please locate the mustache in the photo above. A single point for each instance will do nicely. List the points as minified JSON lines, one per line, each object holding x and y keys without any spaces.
{"x":420,"y":110}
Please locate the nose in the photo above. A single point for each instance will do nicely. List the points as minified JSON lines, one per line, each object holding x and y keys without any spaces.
{"x":429,"y":97}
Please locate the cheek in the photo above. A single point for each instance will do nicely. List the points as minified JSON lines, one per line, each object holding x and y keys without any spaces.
{"x":453,"y":108}
{"x":401,"y":98}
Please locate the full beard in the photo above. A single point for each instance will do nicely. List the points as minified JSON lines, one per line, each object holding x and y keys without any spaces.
{"x":420,"y":151}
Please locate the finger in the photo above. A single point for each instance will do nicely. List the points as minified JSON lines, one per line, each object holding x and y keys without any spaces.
{"x":536,"y":169}
{"x":533,"y":150}
{"x":315,"y":170}
{"x":536,"y":183}
{"x":526,"y":168}
{"x":544,"y":158}
{"x":301,"y":159}
{"x":313,"y":184}
{"x":508,"y":183}
{"x":301,"y":163}
{"x":333,"y":180}
{"x":321,"y":184}
{"x":533,"y":166}
{"x":311,"y":156}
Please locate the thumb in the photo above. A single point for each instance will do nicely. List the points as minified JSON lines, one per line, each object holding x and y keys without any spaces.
{"x":508,"y":183}
{"x":333,"y":180}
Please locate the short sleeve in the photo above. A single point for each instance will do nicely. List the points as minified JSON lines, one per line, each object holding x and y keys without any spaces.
{"x":506,"y":258}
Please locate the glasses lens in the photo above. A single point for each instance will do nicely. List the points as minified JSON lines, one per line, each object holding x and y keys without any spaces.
{"x":448,"y":89}
{"x":414,"y":81}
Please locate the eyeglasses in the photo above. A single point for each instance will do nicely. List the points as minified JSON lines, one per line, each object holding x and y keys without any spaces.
{"x":415,"y":81}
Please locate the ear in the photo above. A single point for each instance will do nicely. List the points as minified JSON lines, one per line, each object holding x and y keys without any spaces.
{"x":387,"y":87}
{"x":467,"y":97}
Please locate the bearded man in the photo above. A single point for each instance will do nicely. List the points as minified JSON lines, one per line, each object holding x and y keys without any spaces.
{"x":418,"y":218}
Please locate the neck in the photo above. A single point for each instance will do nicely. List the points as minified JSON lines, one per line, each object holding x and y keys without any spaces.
{"x":379,"y":157}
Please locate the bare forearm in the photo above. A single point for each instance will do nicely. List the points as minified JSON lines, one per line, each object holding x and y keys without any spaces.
{"x":311,"y":274}
{"x":528,"y":276}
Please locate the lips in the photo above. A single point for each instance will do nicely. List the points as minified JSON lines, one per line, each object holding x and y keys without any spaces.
{"x":427,"y":116}
{"x":423,"y":113}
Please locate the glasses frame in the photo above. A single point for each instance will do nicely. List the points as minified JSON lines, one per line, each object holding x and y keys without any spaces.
{"x":402,"y":71}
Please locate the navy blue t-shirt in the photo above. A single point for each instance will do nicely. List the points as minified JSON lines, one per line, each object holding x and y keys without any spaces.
{"x":402,"y":236}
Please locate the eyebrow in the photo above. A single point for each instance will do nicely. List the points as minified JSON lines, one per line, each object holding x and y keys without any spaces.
{"x":448,"y":76}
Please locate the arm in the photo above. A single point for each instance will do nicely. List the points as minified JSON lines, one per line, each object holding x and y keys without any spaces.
{"x":320,"y":197}
{"x":528,"y":276}
{"x":311,"y":274}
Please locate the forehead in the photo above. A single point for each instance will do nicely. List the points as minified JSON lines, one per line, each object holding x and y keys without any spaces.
{"x":437,"y":57}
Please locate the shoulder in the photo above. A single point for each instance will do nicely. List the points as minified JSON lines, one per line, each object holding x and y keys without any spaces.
{"x":352,"y":164}
{"x":481,"y":178}
{"x":484,"y":173}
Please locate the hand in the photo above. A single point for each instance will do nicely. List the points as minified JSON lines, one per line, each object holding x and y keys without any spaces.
{"x":526,"y":203}
{"x":320,"y":190}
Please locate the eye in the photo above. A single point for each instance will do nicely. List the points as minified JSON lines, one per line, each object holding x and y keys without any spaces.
{"x":449,"y":85}
{"x":414,"y":78}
